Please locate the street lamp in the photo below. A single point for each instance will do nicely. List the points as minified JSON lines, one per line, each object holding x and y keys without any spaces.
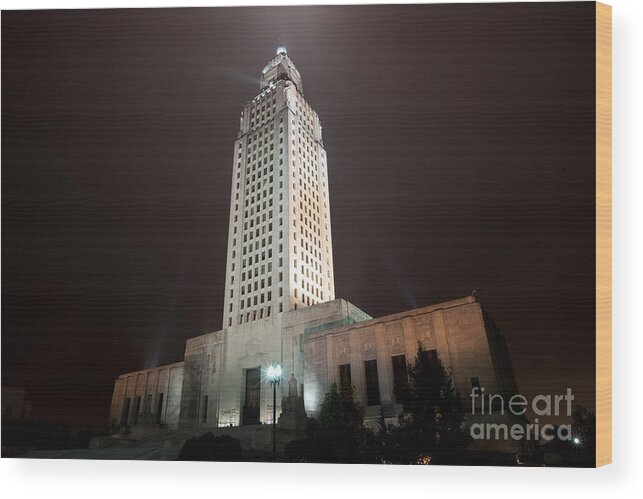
{"x":274,"y":378}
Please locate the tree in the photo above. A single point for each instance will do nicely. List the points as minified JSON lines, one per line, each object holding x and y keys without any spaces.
{"x":584,"y":429}
{"x":338,"y":435}
{"x":341,"y":435}
{"x":431,"y":425}
{"x":578,"y":450}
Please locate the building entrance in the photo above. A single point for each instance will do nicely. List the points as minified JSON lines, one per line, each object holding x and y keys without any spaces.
{"x":252,"y":397}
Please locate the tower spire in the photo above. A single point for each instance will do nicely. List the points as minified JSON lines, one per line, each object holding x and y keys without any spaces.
{"x":280,"y":67}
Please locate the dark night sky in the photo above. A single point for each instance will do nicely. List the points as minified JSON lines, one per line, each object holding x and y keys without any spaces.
{"x":460,"y":141}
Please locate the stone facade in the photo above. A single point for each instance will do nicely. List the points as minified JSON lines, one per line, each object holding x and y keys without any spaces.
{"x":459,"y":333}
{"x":208,"y":388}
{"x":148,"y":397}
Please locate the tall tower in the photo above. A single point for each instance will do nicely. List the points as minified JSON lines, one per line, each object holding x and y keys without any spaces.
{"x":279,"y":242}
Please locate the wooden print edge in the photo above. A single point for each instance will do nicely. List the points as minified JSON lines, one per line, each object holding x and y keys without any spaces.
{"x":603,"y":234}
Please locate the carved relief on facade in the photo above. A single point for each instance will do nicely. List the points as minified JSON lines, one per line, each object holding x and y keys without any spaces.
{"x":396,"y":342}
{"x":163,"y":377}
{"x":213,"y":365}
{"x":343,"y":347}
{"x":152,"y":378}
{"x":394,"y":338}
{"x":315,"y":352}
{"x":367,"y":343}
{"x":425,"y":330}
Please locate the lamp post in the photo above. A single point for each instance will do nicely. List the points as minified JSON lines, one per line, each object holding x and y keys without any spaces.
{"x":274,"y":378}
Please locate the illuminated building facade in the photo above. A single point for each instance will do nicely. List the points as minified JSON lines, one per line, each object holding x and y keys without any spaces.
{"x":280,"y":305}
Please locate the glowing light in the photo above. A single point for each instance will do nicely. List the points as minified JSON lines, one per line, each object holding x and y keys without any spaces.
{"x":273,"y":373}
{"x":576,"y":441}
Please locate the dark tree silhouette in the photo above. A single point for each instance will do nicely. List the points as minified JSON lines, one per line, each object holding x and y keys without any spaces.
{"x":338,"y":435}
{"x":429,"y":429}
{"x":584,"y":429}
{"x":341,"y":435}
{"x":431,"y":425}
{"x":207,"y":447}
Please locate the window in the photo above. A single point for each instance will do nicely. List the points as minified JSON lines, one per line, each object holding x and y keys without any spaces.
{"x":431,"y":358}
{"x":400,"y":376}
{"x":372,"y":383}
{"x":159,"y":409}
{"x":345,"y":376}
{"x":204,"y":418}
{"x":125,"y":412}
{"x":137,"y":410}
{"x":147,"y":408}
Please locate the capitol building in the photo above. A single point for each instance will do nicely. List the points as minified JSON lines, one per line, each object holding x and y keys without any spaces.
{"x":280,"y":305}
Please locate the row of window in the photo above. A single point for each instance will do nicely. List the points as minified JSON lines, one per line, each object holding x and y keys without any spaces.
{"x":263,"y":107}
{"x":304,"y":113}
{"x":371,"y":378}
{"x":257,"y":297}
{"x":309,"y":243}
{"x":253,"y":315}
{"x":259,"y":201}
{"x":263,"y":224}
{"x":259,"y":145}
{"x":256,"y":285}
{"x":308,"y":206}
{"x":133,"y":414}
